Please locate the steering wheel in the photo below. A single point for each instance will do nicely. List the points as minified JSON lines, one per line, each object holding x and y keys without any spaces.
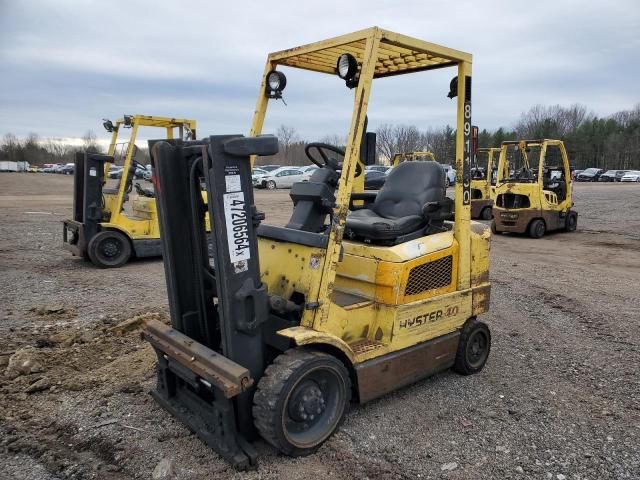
{"x":326,"y":160}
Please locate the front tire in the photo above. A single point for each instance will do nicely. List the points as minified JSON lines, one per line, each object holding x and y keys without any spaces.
{"x":109,"y":249}
{"x":301,"y":400}
{"x":473,"y":348}
{"x":571,"y":222}
{"x":537,"y":228}
{"x":271,"y":185}
{"x":486,"y":213}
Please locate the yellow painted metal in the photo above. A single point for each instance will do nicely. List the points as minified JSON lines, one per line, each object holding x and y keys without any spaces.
{"x":483,"y":187}
{"x":354,"y":292}
{"x":462,"y":210}
{"x":398,"y":158}
{"x":142,"y":223}
{"x":539,"y":198}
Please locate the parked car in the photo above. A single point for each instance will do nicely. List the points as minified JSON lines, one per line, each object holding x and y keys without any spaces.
{"x":631,"y":176}
{"x":115,"y":171}
{"x":148,"y":173}
{"x":377,"y":168}
{"x":374,"y":180}
{"x":575,"y":173}
{"x":283,"y":177}
{"x":451,"y":174}
{"x":59,"y":168}
{"x":257,"y":174}
{"x":269,"y":168}
{"x":612,"y":175}
{"x":69,"y":169}
{"x":589,"y":175}
{"x":308,"y":171}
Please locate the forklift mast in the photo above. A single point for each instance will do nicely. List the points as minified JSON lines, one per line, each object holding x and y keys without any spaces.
{"x":215,"y":294}
{"x":88,"y":181}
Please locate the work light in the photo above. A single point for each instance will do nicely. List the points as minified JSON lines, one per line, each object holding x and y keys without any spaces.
{"x":276,"y":81}
{"x":347,"y":68}
{"x":107,"y":124}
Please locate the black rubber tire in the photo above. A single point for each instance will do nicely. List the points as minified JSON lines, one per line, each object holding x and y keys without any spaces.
{"x":272,"y":410}
{"x":271,"y":185}
{"x":109,"y":249}
{"x":537,"y":228}
{"x":486,"y":213}
{"x":468,"y":359}
{"x":494,"y":229}
{"x":571,"y":222}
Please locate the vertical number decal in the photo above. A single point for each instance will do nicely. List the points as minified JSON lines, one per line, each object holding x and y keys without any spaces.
{"x":466,"y":163}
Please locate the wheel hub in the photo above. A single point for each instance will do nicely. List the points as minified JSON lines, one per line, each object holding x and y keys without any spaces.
{"x":476,"y":348}
{"x":307,"y":402}
{"x":110,"y":249}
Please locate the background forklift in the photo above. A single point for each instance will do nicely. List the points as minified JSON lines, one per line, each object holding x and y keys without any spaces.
{"x":483,"y":180}
{"x":101,"y":230}
{"x":294,"y":321}
{"x":398,"y":158}
{"x":533,"y":189}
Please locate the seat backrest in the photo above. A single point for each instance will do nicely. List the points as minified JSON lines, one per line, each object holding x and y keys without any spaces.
{"x":408,"y":187}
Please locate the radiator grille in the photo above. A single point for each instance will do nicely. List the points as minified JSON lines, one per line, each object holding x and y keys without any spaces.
{"x":429,"y":276}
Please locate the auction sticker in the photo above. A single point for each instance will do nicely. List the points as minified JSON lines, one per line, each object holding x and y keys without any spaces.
{"x":237,"y":230}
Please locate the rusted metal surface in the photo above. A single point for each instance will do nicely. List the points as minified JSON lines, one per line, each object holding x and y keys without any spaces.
{"x":478,"y":205}
{"x":389,"y":372}
{"x":212,"y":367}
{"x":514,"y":220}
{"x":481,"y":299}
{"x":518,"y":220}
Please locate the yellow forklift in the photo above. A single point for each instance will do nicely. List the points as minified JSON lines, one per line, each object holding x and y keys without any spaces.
{"x":345,"y":301}
{"x":483,"y":180}
{"x":533,"y":189}
{"x":102,"y":230}
{"x":398,"y":158}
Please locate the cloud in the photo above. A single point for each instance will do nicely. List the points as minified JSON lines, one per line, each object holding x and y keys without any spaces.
{"x":68,"y":64}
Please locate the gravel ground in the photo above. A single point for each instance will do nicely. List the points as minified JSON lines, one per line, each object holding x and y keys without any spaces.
{"x":558,"y":399}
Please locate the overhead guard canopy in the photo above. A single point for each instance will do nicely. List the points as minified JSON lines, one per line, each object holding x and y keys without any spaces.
{"x":397,"y":54}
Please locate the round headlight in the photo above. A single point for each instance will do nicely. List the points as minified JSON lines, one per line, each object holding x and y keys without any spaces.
{"x":276,"y":81}
{"x":347,"y":66}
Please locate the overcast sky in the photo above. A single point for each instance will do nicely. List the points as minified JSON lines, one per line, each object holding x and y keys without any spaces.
{"x":68,"y":64}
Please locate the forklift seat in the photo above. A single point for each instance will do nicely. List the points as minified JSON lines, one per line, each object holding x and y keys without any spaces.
{"x":411,"y":203}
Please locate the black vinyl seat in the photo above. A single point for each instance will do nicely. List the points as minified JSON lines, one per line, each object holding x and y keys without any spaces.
{"x":411,"y":203}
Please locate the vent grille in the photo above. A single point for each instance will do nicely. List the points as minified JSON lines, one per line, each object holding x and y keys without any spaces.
{"x":364,"y":346}
{"x":429,"y":276}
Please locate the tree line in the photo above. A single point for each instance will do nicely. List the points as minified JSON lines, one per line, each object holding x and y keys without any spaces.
{"x":611,"y":142}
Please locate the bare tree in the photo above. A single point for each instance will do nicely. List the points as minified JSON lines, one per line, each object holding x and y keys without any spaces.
{"x":89,"y":142}
{"x":392,"y":139}
{"x":287,"y":135}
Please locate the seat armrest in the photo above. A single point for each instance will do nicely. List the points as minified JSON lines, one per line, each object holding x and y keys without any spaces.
{"x":438,"y":211}
{"x":367,"y":197}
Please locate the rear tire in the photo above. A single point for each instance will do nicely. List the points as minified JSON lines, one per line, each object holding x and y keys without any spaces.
{"x":537,"y":228}
{"x":271,"y":185}
{"x":571,"y":222}
{"x":301,"y":400}
{"x":109,"y":249}
{"x":473,"y":348}
{"x":486,"y":213}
